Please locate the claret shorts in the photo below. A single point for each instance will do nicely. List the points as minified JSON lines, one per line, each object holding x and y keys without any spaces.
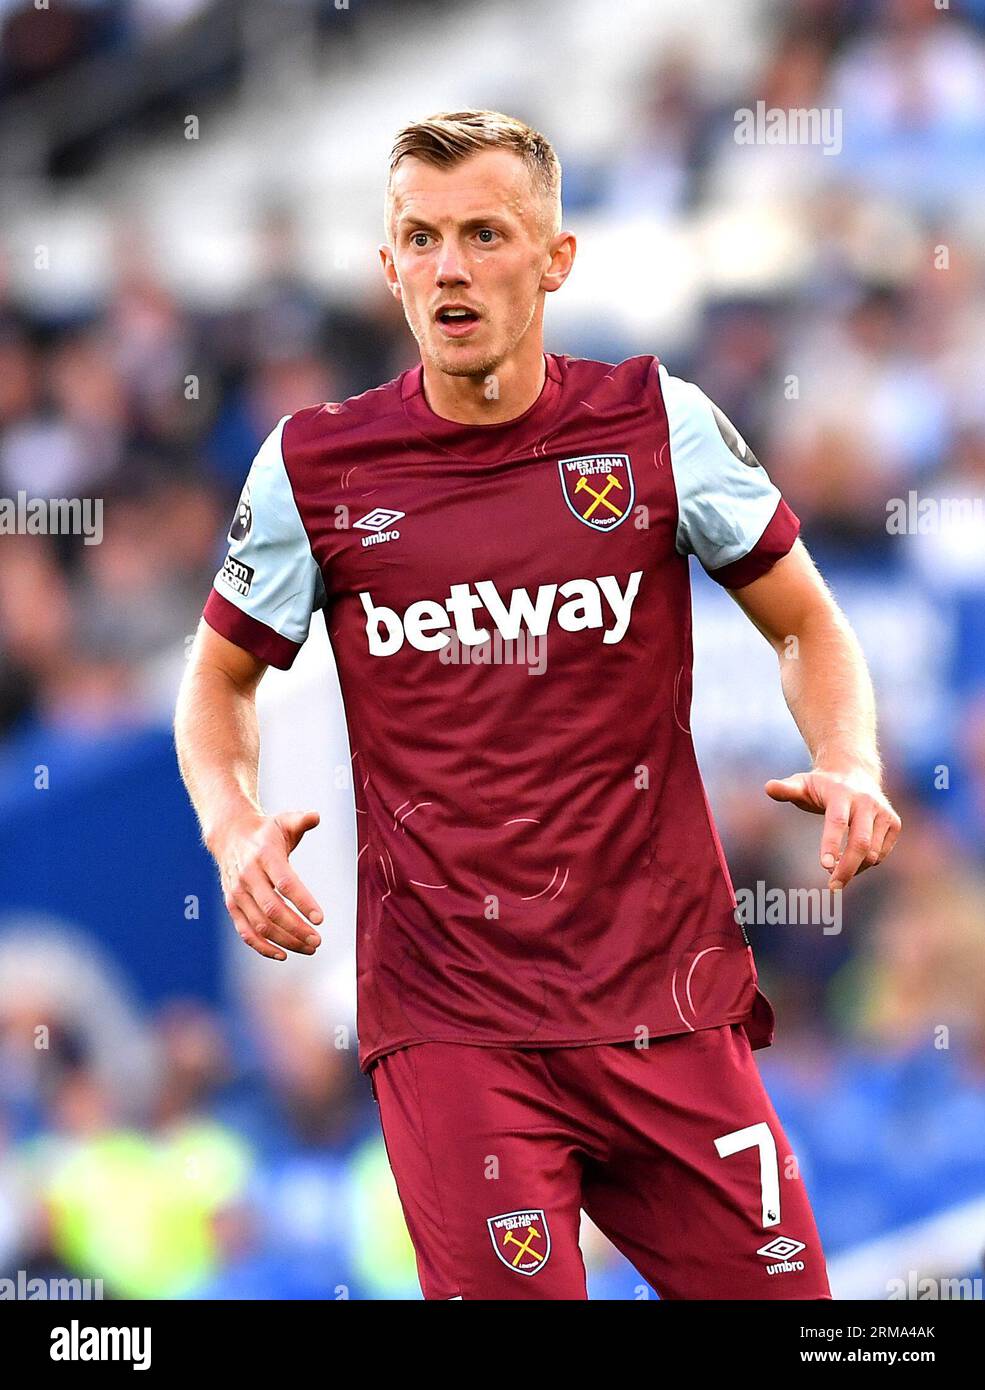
{"x":673,"y":1150}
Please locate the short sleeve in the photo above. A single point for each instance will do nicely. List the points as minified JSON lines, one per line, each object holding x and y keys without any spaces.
{"x":270,"y":584}
{"x":729,"y":513}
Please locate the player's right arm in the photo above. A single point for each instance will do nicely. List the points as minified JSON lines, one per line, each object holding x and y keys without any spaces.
{"x":218,"y":741}
{"x":257,"y":615}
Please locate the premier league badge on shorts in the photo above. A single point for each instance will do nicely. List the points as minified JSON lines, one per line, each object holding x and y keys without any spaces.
{"x":598,"y":488}
{"x":521,"y":1240}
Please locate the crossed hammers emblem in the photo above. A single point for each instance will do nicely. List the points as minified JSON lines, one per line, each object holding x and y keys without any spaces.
{"x":601,"y":498}
{"x":524,"y":1245}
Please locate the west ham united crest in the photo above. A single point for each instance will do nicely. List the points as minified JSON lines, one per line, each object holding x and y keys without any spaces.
{"x":598,"y":488}
{"x":521,"y":1240}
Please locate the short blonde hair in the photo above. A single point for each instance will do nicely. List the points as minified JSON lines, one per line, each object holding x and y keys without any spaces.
{"x":450,"y":137}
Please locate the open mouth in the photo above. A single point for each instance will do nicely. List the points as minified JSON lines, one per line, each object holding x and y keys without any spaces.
{"x":457,"y":321}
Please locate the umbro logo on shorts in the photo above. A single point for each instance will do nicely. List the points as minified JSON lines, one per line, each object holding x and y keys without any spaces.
{"x":521,"y":1239}
{"x":780,"y":1249}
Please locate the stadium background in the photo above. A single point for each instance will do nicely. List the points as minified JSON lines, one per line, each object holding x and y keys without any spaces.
{"x":189,"y":216}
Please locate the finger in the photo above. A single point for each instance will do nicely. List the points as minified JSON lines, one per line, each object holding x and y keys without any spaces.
{"x":278,"y":913}
{"x":252,"y":898}
{"x":286,"y":881}
{"x":874,"y":854}
{"x":880,"y":829}
{"x":835,"y":826}
{"x":786,"y":788}
{"x":892,"y":835}
{"x":859,"y":840}
{"x":296,"y":824}
{"x":244,"y":929}
{"x":263,"y":926}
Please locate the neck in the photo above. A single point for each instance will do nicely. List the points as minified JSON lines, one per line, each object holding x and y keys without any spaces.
{"x":500,"y":394}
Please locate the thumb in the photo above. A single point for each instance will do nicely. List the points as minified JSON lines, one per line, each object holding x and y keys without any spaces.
{"x":296,"y":824}
{"x":787,"y":788}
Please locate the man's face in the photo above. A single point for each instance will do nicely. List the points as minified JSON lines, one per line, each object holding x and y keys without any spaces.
{"x":471,"y":236}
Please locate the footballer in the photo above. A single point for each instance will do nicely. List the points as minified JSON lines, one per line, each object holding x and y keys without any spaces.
{"x":557,"y":1006}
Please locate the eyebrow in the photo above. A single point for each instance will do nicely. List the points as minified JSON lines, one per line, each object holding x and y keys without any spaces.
{"x":409,"y":220}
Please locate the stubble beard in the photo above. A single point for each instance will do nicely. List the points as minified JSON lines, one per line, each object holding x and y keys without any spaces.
{"x":484,"y":367}
{"x":453,"y":363}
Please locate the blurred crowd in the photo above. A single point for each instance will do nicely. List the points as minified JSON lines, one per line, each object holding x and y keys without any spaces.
{"x":39,"y":42}
{"x":158,"y":412}
{"x":249,"y":1157}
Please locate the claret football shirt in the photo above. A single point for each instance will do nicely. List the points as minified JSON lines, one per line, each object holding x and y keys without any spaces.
{"x":509,"y":608}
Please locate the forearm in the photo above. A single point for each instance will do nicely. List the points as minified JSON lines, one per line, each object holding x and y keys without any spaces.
{"x":827,"y":687}
{"x":828,"y":690}
{"x":217,"y":737}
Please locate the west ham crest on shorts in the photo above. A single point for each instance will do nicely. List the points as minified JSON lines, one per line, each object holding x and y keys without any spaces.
{"x":598,"y":488}
{"x":521,"y":1240}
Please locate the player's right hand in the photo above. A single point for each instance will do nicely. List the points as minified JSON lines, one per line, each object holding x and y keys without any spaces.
{"x":252,"y":856}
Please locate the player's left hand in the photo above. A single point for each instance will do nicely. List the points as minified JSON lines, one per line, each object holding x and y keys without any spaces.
{"x":854,"y":806}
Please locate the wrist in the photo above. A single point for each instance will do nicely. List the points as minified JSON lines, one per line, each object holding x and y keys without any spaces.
{"x":849,"y":763}
{"x":239,"y":817}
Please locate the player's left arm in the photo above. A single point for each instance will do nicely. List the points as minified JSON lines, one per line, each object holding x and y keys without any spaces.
{"x":828,"y":690}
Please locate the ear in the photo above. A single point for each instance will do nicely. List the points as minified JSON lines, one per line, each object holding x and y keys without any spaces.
{"x":562,"y":251}
{"x":390,"y":271}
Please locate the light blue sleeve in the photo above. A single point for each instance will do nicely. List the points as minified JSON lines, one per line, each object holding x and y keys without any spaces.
{"x":270,"y":573}
{"x":725,"y":499}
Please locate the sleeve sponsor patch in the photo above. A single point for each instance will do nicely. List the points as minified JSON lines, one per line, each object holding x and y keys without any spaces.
{"x":270,"y":572}
{"x":238,"y":576}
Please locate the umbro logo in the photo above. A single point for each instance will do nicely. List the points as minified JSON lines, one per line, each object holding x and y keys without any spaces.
{"x":377,"y":521}
{"x":780,"y":1249}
